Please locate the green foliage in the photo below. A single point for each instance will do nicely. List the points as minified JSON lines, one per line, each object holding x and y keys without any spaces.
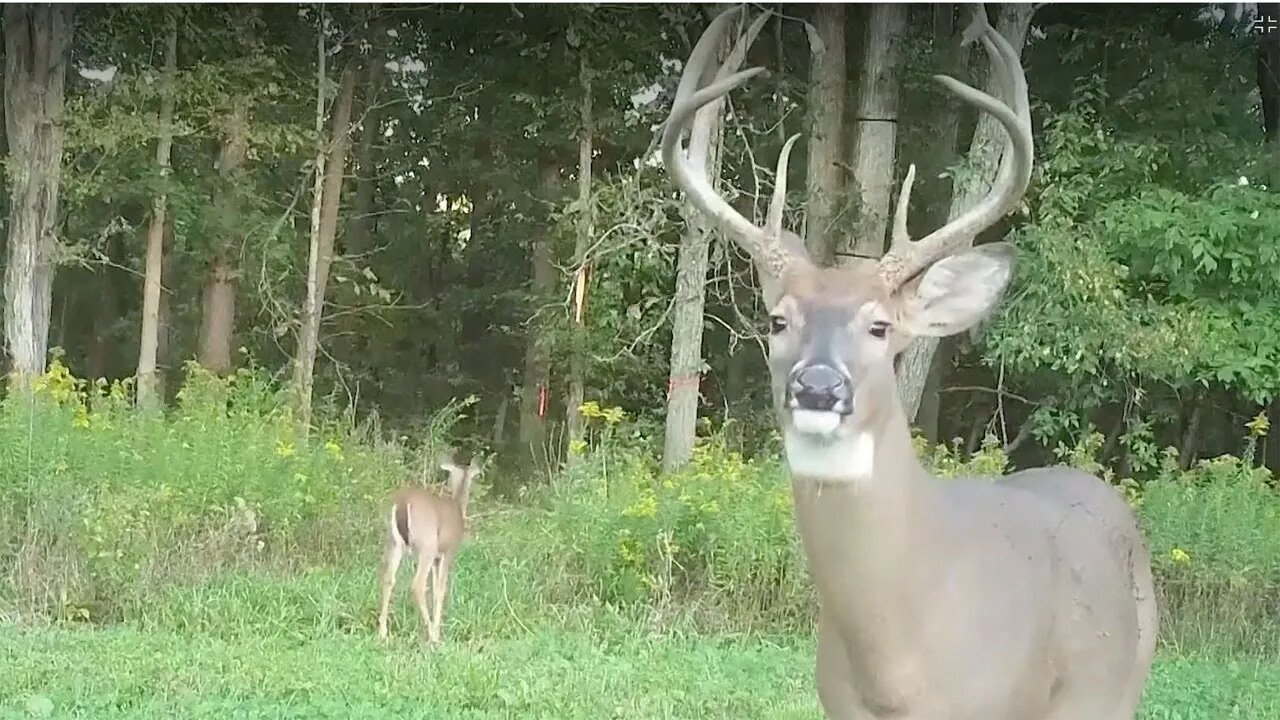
{"x":107,"y":506}
{"x":1214,"y":534}
{"x":1146,"y":269}
{"x":719,"y":530}
{"x":632,"y":256}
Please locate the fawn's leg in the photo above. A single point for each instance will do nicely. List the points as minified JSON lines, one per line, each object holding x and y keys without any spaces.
{"x":426,"y":558}
{"x":390,"y":564}
{"x":439,"y":588}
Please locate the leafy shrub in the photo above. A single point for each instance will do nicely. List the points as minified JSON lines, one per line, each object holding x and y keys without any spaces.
{"x":103,"y":505}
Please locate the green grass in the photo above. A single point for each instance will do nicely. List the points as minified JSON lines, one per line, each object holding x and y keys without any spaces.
{"x":566,"y":674}
{"x":126,"y":674}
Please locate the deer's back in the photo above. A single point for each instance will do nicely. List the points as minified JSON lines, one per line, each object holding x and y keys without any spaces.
{"x":1105,"y":570}
{"x":1083,"y":507}
{"x":429,"y":515}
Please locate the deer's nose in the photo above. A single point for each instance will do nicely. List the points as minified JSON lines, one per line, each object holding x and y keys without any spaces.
{"x":820,"y":387}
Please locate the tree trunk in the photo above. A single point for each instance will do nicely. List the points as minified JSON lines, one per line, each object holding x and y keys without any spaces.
{"x":827,"y":83}
{"x":875,"y":130}
{"x":150,"y":336}
{"x":324,"y":230}
{"x":37,"y":45}
{"x":983,"y":160}
{"x":359,"y":229}
{"x":500,"y":420}
{"x":931,"y":400}
{"x":105,"y":311}
{"x":218,"y":315}
{"x":1269,"y":85}
{"x":581,"y":278}
{"x":535,"y":394}
{"x":164,"y":315}
{"x":683,"y":382}
{"x":1190,"y":449}
{"x":1270,"y":445}
{"x":941,"y":153}
{"x":218,"y":295}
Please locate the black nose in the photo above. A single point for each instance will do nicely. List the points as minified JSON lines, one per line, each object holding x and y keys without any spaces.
{"x":819,"y":387}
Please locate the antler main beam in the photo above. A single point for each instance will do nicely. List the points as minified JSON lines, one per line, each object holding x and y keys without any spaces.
{"x":761,"y":243}
{"x":907,"y":258}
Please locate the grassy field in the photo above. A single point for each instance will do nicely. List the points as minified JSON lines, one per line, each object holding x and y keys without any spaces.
{"x":614,"y":673}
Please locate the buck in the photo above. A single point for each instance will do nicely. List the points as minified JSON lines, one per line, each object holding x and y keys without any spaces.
{"x":1027,"y":597}
{"x":432,"y":526}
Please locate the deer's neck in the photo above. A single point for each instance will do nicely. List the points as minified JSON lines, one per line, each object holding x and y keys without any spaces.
{"x":461,"y":496}
{"x":859,"y":507}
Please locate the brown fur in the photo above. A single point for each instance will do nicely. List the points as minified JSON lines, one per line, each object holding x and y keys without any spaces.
{"x":431,"y":525}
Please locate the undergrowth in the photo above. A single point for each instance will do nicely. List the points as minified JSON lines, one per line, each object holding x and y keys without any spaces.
{"x":215,"y":518}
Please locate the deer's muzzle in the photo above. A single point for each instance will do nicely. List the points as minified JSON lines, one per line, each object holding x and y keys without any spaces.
{"x":822,"y":388}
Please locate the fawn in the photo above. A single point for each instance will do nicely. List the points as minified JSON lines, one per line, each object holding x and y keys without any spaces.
{"x":431,"y":525}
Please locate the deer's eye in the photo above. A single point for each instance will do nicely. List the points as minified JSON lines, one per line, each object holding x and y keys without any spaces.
{"x":879,"y":329}
{"x":777,"y":324}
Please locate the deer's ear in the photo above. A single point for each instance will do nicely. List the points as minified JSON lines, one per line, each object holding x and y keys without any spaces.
{"x":448,"y":466}
{"x":957,"y":291}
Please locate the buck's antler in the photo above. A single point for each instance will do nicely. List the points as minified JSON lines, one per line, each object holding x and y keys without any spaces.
{"x":763,"y":244}
{"x":907,"y":258}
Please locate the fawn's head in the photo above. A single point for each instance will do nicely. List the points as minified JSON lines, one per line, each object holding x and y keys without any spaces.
{"x":461,"y":477}
{"x":834,"y":332}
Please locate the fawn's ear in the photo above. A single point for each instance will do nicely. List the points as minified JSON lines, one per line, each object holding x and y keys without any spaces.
{"x":477,"y":466}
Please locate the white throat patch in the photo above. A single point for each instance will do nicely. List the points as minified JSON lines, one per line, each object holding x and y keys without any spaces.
{"x":830,"y":457}
{"x":821,"y":423}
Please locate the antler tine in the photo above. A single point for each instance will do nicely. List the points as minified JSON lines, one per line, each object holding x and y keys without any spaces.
{"x":773,"y":221}
{"x":755,"y":240}
{"x":905,"y":258}
{"x":900,"y":214}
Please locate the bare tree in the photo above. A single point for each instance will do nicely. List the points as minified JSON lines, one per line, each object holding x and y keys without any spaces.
{"x":535,"y":392}
{"x":164,"y":316}
{"x":939,"y":153}
{"x":983,"y":162}
{"x":827,"y":87}
{"x":331,"y":158}
{"x":37,"y":44}
{"x":691,"y":273}
{"x":218,"y":297}
{"x":359,"y":229}
{"x":581,"y":277}
{"x":875,"y":125}
{"x":151,"y":287}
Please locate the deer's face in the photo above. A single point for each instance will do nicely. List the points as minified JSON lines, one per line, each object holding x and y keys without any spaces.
{"x":834,"y":334}
{"x":461,"y":476}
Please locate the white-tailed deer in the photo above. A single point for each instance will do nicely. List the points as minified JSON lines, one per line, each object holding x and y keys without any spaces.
{"x":1027,"y":597}
{"x":432,"y":526}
